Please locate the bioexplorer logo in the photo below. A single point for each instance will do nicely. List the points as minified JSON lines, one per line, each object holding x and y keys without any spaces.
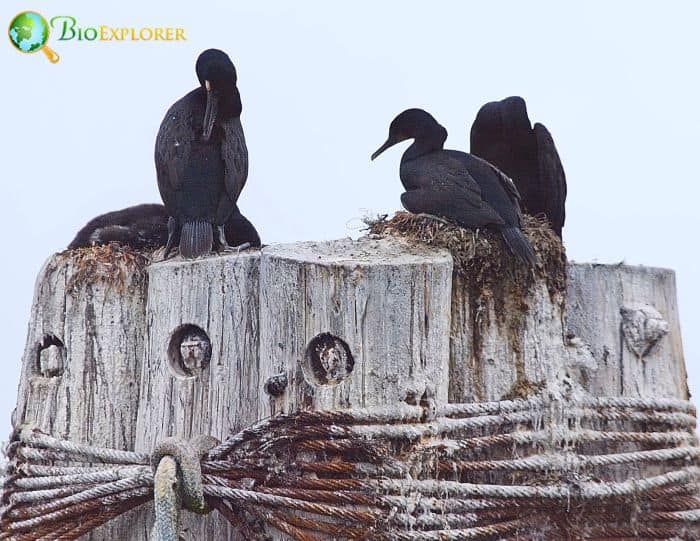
{"x":29,"y":32}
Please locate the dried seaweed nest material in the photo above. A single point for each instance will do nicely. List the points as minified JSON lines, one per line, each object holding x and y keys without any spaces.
{"x":114,"y":264}
{"x":481,"y":256}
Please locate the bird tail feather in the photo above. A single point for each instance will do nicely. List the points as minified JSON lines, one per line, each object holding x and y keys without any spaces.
{"x":519,"y":245}
{"x":196,"y":239}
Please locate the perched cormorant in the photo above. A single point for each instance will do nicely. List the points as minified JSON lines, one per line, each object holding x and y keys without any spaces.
{"x":201,"y":157}
{"x":140,"y":226}
{"x":146,"y":226}
{"x":454,"y":185}
{"x":502,"y":135}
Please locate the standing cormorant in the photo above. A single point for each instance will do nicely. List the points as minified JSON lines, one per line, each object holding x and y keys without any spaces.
{"x":146,"y":226}
{"x":502,"y":135}
{"x":454,"y":185}
{"x":201,"y":157}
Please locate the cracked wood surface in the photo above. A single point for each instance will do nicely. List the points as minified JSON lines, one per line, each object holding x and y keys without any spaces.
{"x":408,"y":324}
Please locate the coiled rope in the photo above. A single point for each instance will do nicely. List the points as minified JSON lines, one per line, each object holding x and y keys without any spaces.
{"x":494,"y":470}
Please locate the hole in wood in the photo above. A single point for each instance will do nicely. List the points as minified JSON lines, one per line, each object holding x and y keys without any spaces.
{"x":50,"y":355}
{"x":327,"y":360}
{"x":276,"y":385}
{"x":189,"y":351}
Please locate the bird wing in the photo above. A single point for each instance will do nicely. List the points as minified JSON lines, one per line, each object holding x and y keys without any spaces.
{"x":445,"y":170}
{"x":174,"y":143}
{"x":505,"y":180}
{"x":235,"y":154}
{"x":477,"y":172}
{"x":448,"y":204}
{"x":444,"y":187}
{"x":552,"y":177}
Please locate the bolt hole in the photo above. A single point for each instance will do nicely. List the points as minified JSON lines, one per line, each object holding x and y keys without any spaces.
{"x":411,"y":398}
{"x":189,"y":351}
{"x":50,"y":356}
{"x":327,"y":360}
{"x":276,"y":385}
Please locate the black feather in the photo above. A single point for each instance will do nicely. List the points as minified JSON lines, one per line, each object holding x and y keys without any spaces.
{"x":140,"y":226}
{"x":146,"y":226}
{"x":196,"y":239}
{"x":502,"y":135}
{"x":455,"y":185}
{"x":200,"y":179}
{"x":518,"y":245}
{"x":239,"y":230}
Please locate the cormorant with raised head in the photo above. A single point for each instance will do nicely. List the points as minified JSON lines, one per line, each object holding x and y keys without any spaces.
{"x":502,"y":135}
{"x":146,"y":226}
{"x":454,"y":185}
{"x":201,"y":158}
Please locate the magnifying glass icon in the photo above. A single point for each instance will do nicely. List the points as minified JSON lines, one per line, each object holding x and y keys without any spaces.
{"x":29,"y":33}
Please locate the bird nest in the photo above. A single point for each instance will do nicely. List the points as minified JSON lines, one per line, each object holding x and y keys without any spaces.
{"x":480,"y":256}
{"x":113,"y":264}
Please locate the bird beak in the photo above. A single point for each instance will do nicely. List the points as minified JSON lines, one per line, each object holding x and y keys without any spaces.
{"x":389,"y":143}
{"x":210,"y":111}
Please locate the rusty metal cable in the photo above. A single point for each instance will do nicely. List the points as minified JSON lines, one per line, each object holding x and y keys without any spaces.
{"x":492,"y":470}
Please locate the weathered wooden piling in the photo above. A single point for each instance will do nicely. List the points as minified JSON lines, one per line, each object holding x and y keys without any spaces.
{"x":209,"y":346}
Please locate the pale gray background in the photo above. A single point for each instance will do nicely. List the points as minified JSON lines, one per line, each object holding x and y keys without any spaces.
{"x":615,"y":82}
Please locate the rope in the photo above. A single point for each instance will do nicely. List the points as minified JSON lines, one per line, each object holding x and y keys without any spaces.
{"x":496,"y":470}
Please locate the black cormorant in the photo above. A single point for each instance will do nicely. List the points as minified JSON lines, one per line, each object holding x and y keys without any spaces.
{"x":201,"y":157}
{"x":454,"y":185}
{"x":140,"y":226}
{"x":146,"y":226}
{"x":502,"y":135}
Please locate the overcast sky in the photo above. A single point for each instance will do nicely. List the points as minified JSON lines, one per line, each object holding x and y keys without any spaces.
{"x":615,"y":82}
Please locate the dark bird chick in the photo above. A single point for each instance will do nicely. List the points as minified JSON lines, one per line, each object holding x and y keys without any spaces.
{"x":239,"y":230}
{"x":146,"y":226}
{"x":502,"y":135}
{"x":201,"y":158}
{"x":455,"y":185}
{"x":140,"y":226}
